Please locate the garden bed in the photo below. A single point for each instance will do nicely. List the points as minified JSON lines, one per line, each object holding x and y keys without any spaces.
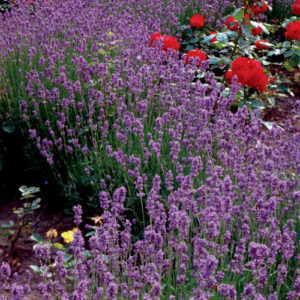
{"x":174,"y":148}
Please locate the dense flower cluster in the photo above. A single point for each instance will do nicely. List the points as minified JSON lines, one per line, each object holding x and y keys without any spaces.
{"x":250,"y":73}
{"x":293,"y":30}
{"x":257,"y":9}
{"x":192,"y":197}
{"x":296,"y":8}
{"x":256,"y":31}
{"x":197,"y":21}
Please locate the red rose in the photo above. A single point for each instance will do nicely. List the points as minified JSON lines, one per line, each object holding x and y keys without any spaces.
{"x":214,"y":39}
{"x":256,"y":9}
{"x":155,"y":38}
{"x":197,"y":21}
{"x":232,"y":24}
{"x":250,"y":73}
{"x":240,"y":67}
{"x":260,"y":46}
{"x":195,"y":53}
{"x":271,"y":80}
{"x":256,"y":31}
{"x":229,"y":76}
{"x":247,"y":16}
{"x":296,"y":8}
{"x":169,"y":42}
{"x":293,"y":30}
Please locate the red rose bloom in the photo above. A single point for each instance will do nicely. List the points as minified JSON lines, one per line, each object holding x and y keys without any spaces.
{"x":197,"y":21}
{"x":271,"y":80}
{"x":213,"y":39}
{"x":293,"y":31}
{"x":256,"y":31}
{"x":232,"y":24}
{"x":296,"y":8}
{"x":155,"y":38}
{"x":256,"y":9}
{"x":260,"y":46}
{"x":229,"y":76}
{"x":250,"y":73}
{"x":240,"y":67}
{"x":247,"y":16}
{"x":195,"y":53}
{"x":170,"y":42}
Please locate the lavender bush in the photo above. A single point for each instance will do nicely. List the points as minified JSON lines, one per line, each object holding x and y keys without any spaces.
{"x":196,"y":202}
{"x":68,"y":82}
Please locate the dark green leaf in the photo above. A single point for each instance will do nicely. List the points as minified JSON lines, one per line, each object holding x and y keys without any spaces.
{"x":194,"y":40}
{"x":296,"y":51}
{"x":9,"y":128}
{"x":215,"y":60}
{"x":246,"y":31}
{"x":35,"y":269}
{"x":37,"y":238}
{"x":189,"y":47}
{"x":294,"y":60}
{"x":286,"y":44}
{"x":90,"y":233}
{"x":288,"y":53}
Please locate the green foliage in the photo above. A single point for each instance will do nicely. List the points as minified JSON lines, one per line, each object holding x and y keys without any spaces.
{"x":11,"y":230}
{"x":281,"y":9}
{"x":4,"y":5}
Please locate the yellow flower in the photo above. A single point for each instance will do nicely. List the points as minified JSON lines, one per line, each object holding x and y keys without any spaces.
{"x":51,"y":233}
{"x":67,"y":236}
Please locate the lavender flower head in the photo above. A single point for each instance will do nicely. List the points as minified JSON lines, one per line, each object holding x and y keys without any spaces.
{"x":77,"y":214}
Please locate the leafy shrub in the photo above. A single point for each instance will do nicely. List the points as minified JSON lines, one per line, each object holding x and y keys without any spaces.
{"x":280,"y":9}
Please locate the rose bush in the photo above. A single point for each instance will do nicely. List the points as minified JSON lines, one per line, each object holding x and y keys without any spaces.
{"x":245,"y":35}
{"x":259,"y":9}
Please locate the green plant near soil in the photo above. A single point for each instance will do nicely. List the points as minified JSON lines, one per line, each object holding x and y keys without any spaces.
{"x":12,"y":231}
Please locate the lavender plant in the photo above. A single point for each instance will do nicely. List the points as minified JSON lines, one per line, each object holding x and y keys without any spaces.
{"x":196,"y":202}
